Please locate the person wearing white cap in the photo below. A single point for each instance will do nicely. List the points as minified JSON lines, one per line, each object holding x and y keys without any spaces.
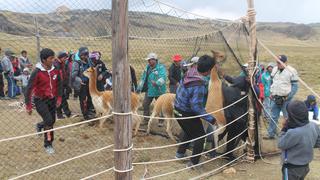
{"x":152,"y":82}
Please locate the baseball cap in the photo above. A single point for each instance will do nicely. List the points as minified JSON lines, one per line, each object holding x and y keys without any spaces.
{"x":193,"y":60}
{"x":177,"y":58}
{"x":151,"y":56}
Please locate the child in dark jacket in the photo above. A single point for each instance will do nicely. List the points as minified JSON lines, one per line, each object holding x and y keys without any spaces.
{"x":190,"y":102}
{"x":312,"y":105}
{"x":297,"y":139}
{"x":45,"y":86}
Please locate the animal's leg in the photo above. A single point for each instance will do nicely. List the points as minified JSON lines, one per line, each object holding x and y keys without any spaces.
{"x":150,"y":122}
{"x":137,"y":121}
{"x":103,"y":120}
{"x":169,"y":127}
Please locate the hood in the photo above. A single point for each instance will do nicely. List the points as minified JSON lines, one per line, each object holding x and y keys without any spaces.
{"x":297,"y":114}
{"x":311,"y":98}
{"x":192,"y":75}
{"x":39,"y":66}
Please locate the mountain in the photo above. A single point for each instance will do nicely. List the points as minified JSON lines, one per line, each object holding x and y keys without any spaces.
{"x":84,"y":23}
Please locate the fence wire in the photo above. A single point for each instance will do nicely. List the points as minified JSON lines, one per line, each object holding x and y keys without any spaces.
{"x":70,"y":24}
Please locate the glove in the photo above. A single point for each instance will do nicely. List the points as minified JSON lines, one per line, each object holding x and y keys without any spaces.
{"x":59,"y":100}
{"x":29,"y":108}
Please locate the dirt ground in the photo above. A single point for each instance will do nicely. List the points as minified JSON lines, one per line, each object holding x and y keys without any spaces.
{"x":24,"y":155}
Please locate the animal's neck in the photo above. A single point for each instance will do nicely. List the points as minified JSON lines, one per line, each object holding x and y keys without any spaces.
{"x":93,"y":85}
{"x":214,"y":75}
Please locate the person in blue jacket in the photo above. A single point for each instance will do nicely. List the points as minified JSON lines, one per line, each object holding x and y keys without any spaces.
{"x":312,"y":105}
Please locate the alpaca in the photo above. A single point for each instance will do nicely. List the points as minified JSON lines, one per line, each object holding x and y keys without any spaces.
{"x":164,"y":104}
{"x":102,"y":101}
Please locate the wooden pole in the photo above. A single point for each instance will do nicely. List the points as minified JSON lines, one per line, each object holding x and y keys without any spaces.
{"x":251,"y":65}
{"x":121,"y":91}
{"x":37,"y":32}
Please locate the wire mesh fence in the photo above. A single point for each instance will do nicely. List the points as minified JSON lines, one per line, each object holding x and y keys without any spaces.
{"x":68,"y":25}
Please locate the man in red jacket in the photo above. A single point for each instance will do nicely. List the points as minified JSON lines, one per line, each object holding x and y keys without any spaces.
{"x":45,"y":86}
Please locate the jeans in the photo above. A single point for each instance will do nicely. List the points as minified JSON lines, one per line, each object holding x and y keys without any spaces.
{"x":275,"y":111}
{"x":1,"y":85}
{"x":11,"y":86}
{"x":267,"y":109}
{"x":296,"y":173}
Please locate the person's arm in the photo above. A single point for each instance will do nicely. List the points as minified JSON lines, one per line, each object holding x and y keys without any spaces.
{"x":75,"y":70}
{"x":197,"y":101}
{"x":18,"y":78}
{"x":161,"y":76}
{"x":141,"y":82}
{"x":229,"y":79}
{"x":288,"y":139}
{"x":60,"y":90}
{"x":28,"y":93}
{"x":315,"y":112}
{"x":171,"y":78}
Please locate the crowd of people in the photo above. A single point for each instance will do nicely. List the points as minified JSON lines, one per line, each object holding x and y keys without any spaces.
{"x":55,"y":77}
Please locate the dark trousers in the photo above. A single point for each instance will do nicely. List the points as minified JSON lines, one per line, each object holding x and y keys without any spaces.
{"x":47,"y":110}
{"x":192,"y":128}
{"x":1,"y":86}
{"x":64,"y":104}
{"x":87,"y":108}
{"x":146,"y":105}
{"x":295,"y":173}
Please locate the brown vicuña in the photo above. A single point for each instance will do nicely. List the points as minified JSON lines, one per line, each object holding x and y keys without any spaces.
{"x":102,"y":100}
{"x":164,"y":105}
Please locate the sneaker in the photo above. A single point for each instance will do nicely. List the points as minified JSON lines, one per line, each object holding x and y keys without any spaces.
{"x":180,"y":155}
{"x":192,"y":166}
{"x":49,"y":149}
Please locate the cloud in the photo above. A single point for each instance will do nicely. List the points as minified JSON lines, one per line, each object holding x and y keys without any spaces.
{"x":214,"y":13}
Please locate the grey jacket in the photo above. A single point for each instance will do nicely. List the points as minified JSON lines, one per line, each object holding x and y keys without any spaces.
{"x":298,"y":144}
{"x":6,"y":65}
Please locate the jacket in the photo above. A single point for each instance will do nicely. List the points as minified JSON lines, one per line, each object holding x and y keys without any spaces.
{"x":61,"y":67}
{"x":158,"y":75}
{"x":297,"y":144}
{"x":7,"y":66}
{"x":44,"y":84}
{"x":282,"y":81}
{"x":23,"y":78}
{"x":78,"y":67}
{"x":266,"y":81}
{"x":312,"y":107}
{"x":191,"y":94}
{"x":102,"y":70}
{"x":174,"y":74}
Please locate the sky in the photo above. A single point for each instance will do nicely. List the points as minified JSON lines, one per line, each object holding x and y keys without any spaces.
{"x":298,"y":11}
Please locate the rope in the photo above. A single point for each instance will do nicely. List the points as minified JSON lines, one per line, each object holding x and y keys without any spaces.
{"x":179,"y":170}
{"x":210,"y":172}
{"x":61,"y":162}
{"x":121,"y":150}
{"x":171,"y":160}
{"x":192,"y":117}
{"x":54,"y":129}
{"x":194,"y":14}
{"x":94,"y":175}
{"x":123,"y":171}
{"x":122,"y":114}
{"x":278,"y":60}
{"x":177,"y":144}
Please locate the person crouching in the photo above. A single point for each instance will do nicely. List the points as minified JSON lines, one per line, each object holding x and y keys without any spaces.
{"x":45,"y":86}
{"x":189,"y":102}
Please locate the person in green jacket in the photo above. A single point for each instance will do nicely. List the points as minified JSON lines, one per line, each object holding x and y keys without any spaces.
{"x":266,"y":80}
{"x":152,"y":82}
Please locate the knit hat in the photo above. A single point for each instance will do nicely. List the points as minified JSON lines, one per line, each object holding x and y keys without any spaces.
{"x":194,"y":60}
{"x":298,"y":115}
{"x":270,"y":65}
{"x":151,"y":56}
{"x":62,"y":54}
{"x":26,"y":70}
{"x":83,"y":51}
{"x":176,"y":58}
{"x":94,"y":56}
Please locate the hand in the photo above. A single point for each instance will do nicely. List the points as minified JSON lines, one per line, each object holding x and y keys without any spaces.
{"x":284,"y":126}
{"x":100,"y":77}
{"x":154,"y":83}
{"x":29,"y":109}
{"x":82,"y":83}
{"x":59,"y":100}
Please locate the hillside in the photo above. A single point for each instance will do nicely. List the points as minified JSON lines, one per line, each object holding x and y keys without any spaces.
{"x":66,"y":22}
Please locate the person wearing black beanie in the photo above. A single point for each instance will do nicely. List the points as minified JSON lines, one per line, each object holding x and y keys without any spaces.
{"x":297,"y":139}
